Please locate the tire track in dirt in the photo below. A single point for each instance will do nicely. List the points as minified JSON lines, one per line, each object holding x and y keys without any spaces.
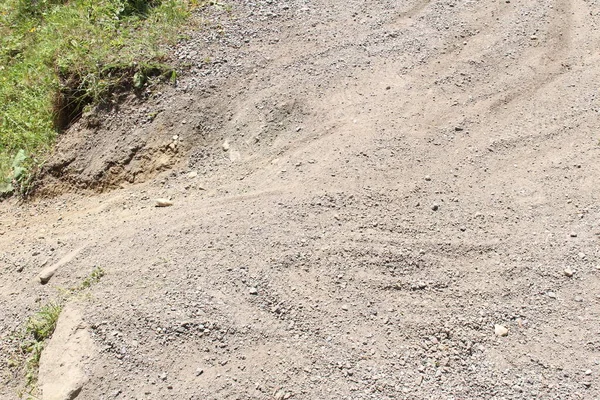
{"x":552,"y":60}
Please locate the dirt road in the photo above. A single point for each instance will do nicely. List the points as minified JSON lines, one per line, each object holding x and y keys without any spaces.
{"x":362,"y":191}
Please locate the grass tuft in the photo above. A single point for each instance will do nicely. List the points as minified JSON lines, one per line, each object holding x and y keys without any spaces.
{"x":42,"y":324}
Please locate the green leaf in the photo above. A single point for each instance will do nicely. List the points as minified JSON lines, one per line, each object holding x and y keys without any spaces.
{"x":18,"y":172}
{"x":20,"y":157}
{"x":139,"y":79}
{"x":6,"y":188}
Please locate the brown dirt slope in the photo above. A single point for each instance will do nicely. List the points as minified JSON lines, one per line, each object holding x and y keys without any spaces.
{"x":362,"y":190}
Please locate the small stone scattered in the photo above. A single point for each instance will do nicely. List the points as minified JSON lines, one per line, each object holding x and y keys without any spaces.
{"x":163,"y":203}
{"x":418,"y":286}
{"x":573,"y":234}
{"x":500,"y":330}
{"x":435,"y":207}
{"x":552,"y":295}
{"x":46,"y":275}
{"x":226,"y":146}
{"x":253,"y":290}
{"x":427,"y":178}
{"x":568,"y":272}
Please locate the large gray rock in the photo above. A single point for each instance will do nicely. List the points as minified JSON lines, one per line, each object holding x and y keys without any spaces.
{"x":65,"y":360}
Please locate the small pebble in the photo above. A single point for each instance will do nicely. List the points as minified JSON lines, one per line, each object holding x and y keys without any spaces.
{"x":199,"y":371}
{"x":280,"y":394}
{"x":253,"y":290}
{"x":435,"y":207}
{"x":500,"y":330}
{"x":552,"y":295}
{"x":568,"y":272}
{"x":345,"y":307}
{"x":573,"y":234}
{"x":163,"y":203}
{"x":427,"y":178}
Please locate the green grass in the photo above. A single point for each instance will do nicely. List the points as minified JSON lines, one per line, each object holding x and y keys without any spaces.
{"x":58,"y":56}
{"x":43,"y":323}
{"x":40,"y":327}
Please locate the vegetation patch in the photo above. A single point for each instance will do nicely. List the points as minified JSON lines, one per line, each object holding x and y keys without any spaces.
{"x":59,"y":56}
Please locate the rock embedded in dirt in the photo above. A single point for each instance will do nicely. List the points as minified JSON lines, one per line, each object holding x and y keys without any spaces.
{"x":225,"y":146}
{"x":253,"y":291}
{"x":46,"y":274}
{"x":568,"y":272}
{"x":500,"y":330}
{"x":163,"y":203}
{"x":64,"y":364}
{"x":435,"y":207}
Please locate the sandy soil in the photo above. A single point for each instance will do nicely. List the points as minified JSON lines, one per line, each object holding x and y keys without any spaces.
{"x":361,"y":192}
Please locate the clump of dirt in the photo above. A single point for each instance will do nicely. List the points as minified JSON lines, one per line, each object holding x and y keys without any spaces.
{"x":76,"y":91}
{"x":125,"y":142}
